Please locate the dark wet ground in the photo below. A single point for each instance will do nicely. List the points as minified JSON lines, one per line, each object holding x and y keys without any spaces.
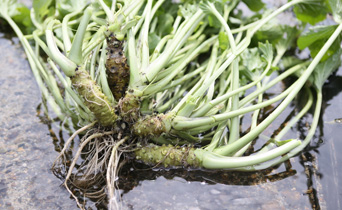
{"x":27,"y":150}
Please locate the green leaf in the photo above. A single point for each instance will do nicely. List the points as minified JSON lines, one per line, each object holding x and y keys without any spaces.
{"x":18,"y":12}
{"x":316,"y":37}
{"x":170,"y":7}
{"x":287,"y":41}
{"x":312,"y":11}
{"x":314,"y":34}
{"x":213,"y":21}
{"x":43,"y":9}
{"x":223,"y":40}
{"x":316,"y":47}
{"x":165,"y":25}
{"x":254,"y":5}
{"x":153,"y":40}
{"x":68,"y":6}
{"x":187,"y":10}
{"x":325,"y":69}
{"x":267,"y":51}
{"x":336,"y":7}
{"x":289,"y":61}
{"x":271,"y":32}
{"x":207,"y":8}
{"x":251,"y":59}
{"x":22,"y":18}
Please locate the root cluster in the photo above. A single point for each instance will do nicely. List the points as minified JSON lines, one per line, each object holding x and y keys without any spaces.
{"x":93,"y":171}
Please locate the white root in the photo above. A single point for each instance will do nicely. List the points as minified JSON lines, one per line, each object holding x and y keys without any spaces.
{"x":84,"y":128}
{"x":112,"y":175}
{"x":78,"y":153}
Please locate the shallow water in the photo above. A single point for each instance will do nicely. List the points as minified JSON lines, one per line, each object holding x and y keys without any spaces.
{"x":28,"y":149}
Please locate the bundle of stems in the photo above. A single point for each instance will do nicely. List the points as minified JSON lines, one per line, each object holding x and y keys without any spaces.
{"x":179,"y":76}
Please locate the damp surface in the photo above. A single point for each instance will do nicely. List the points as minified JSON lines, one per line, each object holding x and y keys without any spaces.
{"x":311,"y":180}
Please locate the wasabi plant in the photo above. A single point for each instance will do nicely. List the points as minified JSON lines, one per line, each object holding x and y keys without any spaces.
{"x":170,"y":83}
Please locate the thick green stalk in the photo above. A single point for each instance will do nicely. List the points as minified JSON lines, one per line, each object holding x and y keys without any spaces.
{"x":78,"y":101}
{"x":109,"y":13}
{"x":214,"y":161}
{"x":65,"y":30}
{"x":67,"y":66}
{"x":192,"y":101}
{"x":160,"y":47}
{"x":133,"y":60}
{"x":75,"y":53}
{"x":96,"y":40}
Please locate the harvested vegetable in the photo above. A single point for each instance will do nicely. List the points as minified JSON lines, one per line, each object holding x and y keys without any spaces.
{"x":168,"y":83}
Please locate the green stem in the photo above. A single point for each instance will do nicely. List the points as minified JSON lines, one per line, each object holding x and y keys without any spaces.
{"x":234,"y":131}
{"x":133,"y":60}
{"x":65,"y":29}
{"x":108,"y":11}
{"x":294,"y":152}
{"x":64,"y":63}
{"x":228,"y":149}
{"x":253,"y":124}
{"x":279,"y":78}
{"x":179,"y":39}
{"x":304,"y":110}
{"x":203,"y":110}
{"x":214,"y":161}
{"x":184,"y":78}
{"x":103,"y":76}
{"x":35,"y":66}
{"x":177,"y":67}
{"x":231,"y":39}
{"x":75,"y":54}
{"x":145,"y":51}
